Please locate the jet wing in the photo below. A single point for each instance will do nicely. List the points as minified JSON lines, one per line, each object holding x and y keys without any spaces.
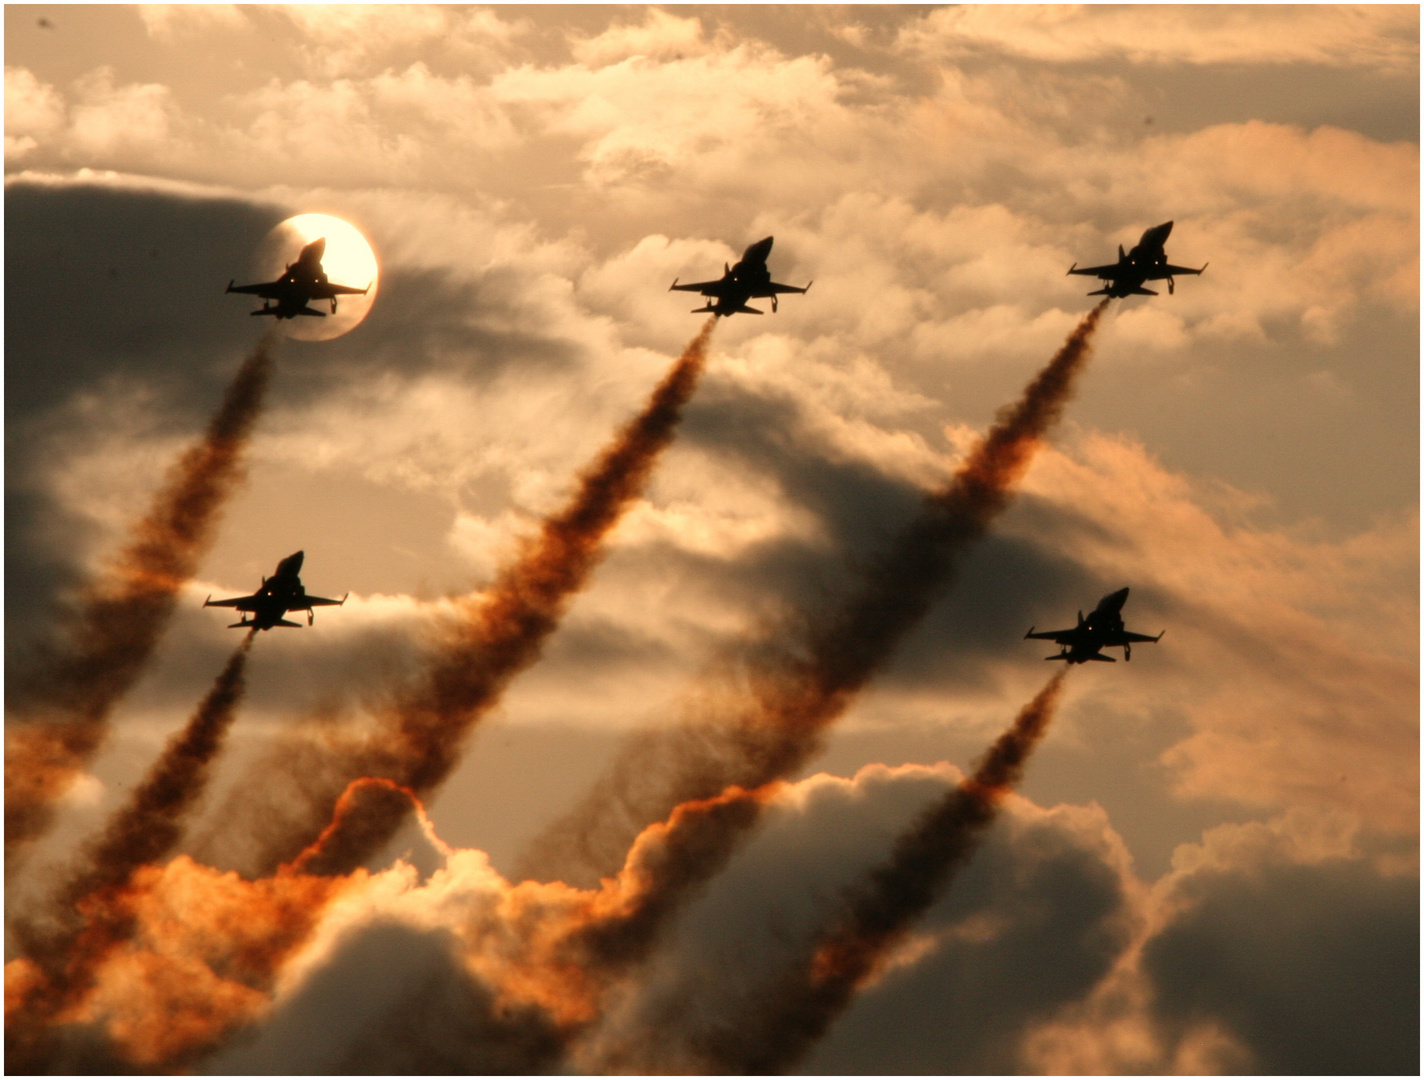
{"x":776,"y":287}
{"x":270,"y":290}
{"x":1160,"y":272}
{"x":1061,"y":637}
{"x":232,"y":602}
{"x":1123,"y":637}
{"x":321,"y":601}
{"x":1109,"y":271}
{"x":706,"y":288}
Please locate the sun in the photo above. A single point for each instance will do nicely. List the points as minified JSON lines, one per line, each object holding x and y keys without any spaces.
{"x":348,"y":260}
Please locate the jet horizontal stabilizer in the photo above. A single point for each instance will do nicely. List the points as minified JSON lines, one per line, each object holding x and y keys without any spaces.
{"x":1140,"y":291}
{"x":1104,"y":659}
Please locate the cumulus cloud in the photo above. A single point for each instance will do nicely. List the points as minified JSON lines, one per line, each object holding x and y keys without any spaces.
{"x":33,"y":111}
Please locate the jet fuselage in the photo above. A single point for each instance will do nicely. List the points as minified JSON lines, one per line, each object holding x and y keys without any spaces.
{"x":279,"y":594}
{"x":1147,"y":261}
{"x":747,"y":280}
{"x":302,"y":282}
{"x":1101,"y":629}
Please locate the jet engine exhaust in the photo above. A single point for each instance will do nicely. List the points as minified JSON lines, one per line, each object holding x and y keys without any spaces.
{"x":796,"y":691}
{"x":501,"y":631}
{"x":87,"y":917}
{"x":796,"y":1010}
{"x":61,"y":711}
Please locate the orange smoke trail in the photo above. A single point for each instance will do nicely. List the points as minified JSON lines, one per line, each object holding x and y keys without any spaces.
{"x":64,"y":706}
{"x":797,"y":692}
{"x":794,"y":700}
{"x":172,"y":959}
{"x":88,"y":916}
{"x":796,"y":1011}
{"x":501,"y":632}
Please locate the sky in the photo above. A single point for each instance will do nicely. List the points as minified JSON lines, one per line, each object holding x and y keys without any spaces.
{"x":1212,"y":862}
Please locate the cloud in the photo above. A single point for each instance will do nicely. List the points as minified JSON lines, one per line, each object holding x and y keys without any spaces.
{"x":661,"y":35}
{"x":175,"y":23}
{"x":33,"y":111}
{"x":1170,"y":35}
{"x":1271,"y":947}
{"x":1271,"y":636}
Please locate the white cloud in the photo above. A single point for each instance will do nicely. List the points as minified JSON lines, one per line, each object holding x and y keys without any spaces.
{"x":33,"y":112}
{"x":173,"y":24}
{"x":1344,"y":36}
{"x":661,"y":35}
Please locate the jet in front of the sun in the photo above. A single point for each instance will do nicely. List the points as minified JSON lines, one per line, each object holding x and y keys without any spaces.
{"x":303,"y":282}
{"x":749,"y":279}
{"x":1145,"y":262}
{"x":1101,"y":629}
{"x":280,"y":593}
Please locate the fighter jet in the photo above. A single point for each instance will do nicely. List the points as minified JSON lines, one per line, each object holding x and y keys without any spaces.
{"x":1102,"y":629}
{"x":747,"y":280}
{"x":1145,"y":262}
{"x":280,"y":593}
{"x":303,"y":282}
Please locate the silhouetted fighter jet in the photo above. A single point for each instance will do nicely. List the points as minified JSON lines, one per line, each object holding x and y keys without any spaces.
{"x":1146,"y":262}
{"x":280,"y":593}
{"x":1102,"y":629}
{"x":748,"y":280}
{"x":304,"y":281}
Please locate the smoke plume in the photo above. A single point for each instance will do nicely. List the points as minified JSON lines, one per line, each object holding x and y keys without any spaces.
{"x":89,"y":916}
{"x":158,"y":970}
{"x":794,"y":1012}
{"x":499,"y":633}
{"x":60,"y":711}
{"x":801,"y":679}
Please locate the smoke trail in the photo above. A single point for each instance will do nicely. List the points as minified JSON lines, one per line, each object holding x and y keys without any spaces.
{"x":788,"y":1019}
{"x":88,"y":915}
{"x":172,"y":960}
{"x":500,"y":632}
{"x":797,"y":690}
{"x":65,"y":702}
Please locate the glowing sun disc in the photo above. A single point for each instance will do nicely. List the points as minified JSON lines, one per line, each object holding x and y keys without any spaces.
{"x":348,"y":260}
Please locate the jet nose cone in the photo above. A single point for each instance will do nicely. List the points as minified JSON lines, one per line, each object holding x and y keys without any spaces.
{"x":759,"y":251}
